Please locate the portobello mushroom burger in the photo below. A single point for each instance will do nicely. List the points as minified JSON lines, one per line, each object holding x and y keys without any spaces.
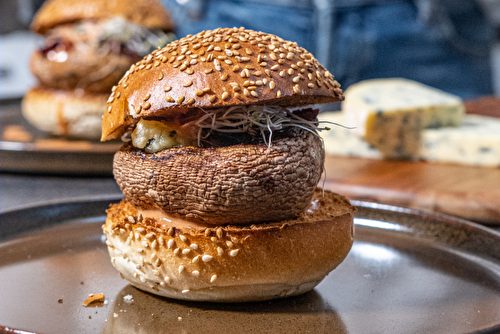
{"x":87,"y":47}
{"x":220,"y":168}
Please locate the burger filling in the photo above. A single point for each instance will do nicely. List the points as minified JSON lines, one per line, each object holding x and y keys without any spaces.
{"x":253,"y":124}
{"x":111,"y":36}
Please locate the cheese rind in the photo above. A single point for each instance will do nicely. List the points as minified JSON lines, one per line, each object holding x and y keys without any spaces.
{"x":475,"y":142}
{"x":390,"y":113}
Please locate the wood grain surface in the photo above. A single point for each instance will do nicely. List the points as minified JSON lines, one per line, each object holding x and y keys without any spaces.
{"x":468,"y":192}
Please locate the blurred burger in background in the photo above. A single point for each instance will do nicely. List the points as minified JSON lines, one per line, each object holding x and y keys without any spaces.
{"x":88,"y":47}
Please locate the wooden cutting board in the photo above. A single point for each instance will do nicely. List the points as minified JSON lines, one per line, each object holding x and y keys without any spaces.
{"x":468,"y":192}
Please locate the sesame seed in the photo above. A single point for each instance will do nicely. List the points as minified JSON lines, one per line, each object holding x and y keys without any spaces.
{"x":186,"y":251}
{"x":180,"y":99}
{"x":220,"y":251}
{"x":199,"y":92}
{"x":217,"y":64}
{"x":219,"y":232}
{"x":170,"y":99}
{"x":190,"y":101}
{"x":141,"y":230}
{"x":181,"y":268}
{"x":278,"y":94}
{"x":268,"y":73}
{"x":295,"y":67}
{"x":310,"y":85}
{"x":160,"y":77}
{"x":143,"y":279}
{"x":146,"y":106}
{"x":188,"y":83}
{"x":176,"y":251}
{"x":212,"y":98}
{"x":213,"y":278}
{"x":224,"y":77}
{"x":111,"y":99}
{"x":238,"y":96}
{"x":210,"y":48}
{"x":290,"y":71}
{"x":257,"y":73}
{"x":282,"y":73}
{"x":148,"y":95}
{"x":131,"y":219}
{"x":251,"y":88}
{"x":254,"y":93}
{"x":296,"y":79}
{"x":272,"y":85}
{"x":118,"y":95}
{"x":228,"y":61}
{"x":167,"y":279}
{"x":206,"y":258}
{"x":236,"y":68}
{"x":234,"y":252}
{"x":248,"y":51}
{"x":208,"y":70}
{"x":296,"y":89}
{"x":195,"y":273}
{"x":149,"y":236}
{"x":145,"y":244}
{"x":185,"y":291}
{"x":281,"y":61}
{"x":167,"y":89}
{"x":246,"y":92}
{"x":229,"y":243}
{"x":275,"y":67}
{"x":195,"y":259}
{"x":196,"y":46}
{"x":183,"y":238}
{"x":181,"y":57}
{"x":140,"y":250}
{"x":225,"y":95}
{"x":149,"y":58}
{"x":217,"y":49}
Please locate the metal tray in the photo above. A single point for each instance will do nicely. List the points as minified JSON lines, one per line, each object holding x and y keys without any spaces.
{"x":408,"y":272}
{"x":28,"y":150}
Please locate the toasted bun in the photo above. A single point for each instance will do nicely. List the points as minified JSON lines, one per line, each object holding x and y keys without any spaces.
{"x":147,"y":13}
{"x":89,"y":71}
{"x":64,"y":112}
{"x":238,"y":184}
{"x":231,"y":263}
{"x":218,"y":68}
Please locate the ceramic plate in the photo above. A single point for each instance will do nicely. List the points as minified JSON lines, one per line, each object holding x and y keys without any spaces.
{"x":408,"y":272}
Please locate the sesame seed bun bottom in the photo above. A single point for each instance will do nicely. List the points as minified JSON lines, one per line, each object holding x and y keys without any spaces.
{"x":230,"y":263}
{"x":64,"y":112}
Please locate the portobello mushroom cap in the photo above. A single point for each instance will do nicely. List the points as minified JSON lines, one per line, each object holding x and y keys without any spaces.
{"x":238,"y":184}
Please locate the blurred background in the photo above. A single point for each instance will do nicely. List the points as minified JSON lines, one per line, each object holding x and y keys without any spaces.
{"x":448,"y":44}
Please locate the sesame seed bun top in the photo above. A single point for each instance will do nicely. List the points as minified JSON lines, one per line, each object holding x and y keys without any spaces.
{"x":218,"y":68}
{"x":147,"y":13}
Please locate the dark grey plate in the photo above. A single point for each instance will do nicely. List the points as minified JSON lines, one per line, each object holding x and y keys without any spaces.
{"x":42,"y":153}
{"x":408,"y":272}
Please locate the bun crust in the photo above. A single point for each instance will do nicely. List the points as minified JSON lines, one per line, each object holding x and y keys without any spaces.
{"x":64,"y":112}
{"x":238,"y":184}
{"x":231,"y":263}
{"x":147,"y":13}
{"x":219,"y":68}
